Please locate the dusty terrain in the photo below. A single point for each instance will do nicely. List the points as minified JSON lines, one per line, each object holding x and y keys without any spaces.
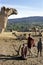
{"x":8,"y":53}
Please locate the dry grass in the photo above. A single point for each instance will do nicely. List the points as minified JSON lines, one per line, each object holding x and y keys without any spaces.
{"x":7,"y":51}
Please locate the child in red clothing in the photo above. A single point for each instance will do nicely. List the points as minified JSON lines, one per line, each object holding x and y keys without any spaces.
{"x":24,"y":51}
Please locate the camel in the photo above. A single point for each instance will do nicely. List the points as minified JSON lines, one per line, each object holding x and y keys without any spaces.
{"x":4,"y":14}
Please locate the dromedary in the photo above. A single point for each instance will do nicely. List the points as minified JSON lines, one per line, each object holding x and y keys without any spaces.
{"x":4,"y":14}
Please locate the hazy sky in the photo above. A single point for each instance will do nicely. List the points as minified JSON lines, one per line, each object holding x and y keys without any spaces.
{"x":25,"y":8}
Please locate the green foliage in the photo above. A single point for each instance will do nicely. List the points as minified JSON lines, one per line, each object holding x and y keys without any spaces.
{"x":18,"y":26}
{"x":25,"y":24}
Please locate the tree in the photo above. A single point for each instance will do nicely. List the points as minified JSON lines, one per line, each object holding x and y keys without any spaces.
{"x":34,"y":30}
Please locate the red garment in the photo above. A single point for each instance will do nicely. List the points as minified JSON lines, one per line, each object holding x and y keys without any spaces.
{"x":24,"y":51}
{"x":30,"y":42}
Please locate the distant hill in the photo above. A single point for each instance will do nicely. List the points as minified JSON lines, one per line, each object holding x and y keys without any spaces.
{"x":24,"y":24}
{"x":32,"y":20}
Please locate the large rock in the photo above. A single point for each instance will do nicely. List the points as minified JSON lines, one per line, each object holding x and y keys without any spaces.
{"x":4,"y":14}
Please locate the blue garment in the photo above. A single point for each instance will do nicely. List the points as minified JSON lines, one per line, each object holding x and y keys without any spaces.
{"x":39,"y":46}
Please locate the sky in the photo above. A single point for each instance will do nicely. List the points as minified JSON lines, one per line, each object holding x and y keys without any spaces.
{"x":25,"y":8}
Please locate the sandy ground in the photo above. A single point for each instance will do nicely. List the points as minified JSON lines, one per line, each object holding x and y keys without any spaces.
{"x":8,"y":53}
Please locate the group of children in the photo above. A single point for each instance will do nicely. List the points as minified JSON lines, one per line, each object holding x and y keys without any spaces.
{"x":30,"y":44}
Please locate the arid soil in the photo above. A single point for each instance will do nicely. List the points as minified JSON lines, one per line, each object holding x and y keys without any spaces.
{"x":8,"y":54}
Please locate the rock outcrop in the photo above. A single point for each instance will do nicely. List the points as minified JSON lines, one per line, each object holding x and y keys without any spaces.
{"x":4,"y":14}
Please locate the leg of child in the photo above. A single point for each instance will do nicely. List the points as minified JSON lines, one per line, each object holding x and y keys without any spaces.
{"x":40,"y":52}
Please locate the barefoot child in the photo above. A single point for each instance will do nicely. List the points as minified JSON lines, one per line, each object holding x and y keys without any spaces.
{"x":24,"y":51}
{"x":39,"y":47}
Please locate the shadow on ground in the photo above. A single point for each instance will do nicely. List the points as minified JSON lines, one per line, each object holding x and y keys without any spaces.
{"x":15,"y":57}
{"x":8,"y":57}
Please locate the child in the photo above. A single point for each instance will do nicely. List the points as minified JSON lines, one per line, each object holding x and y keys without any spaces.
{"x":39,"y":47}
{"x":24,"y":51}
